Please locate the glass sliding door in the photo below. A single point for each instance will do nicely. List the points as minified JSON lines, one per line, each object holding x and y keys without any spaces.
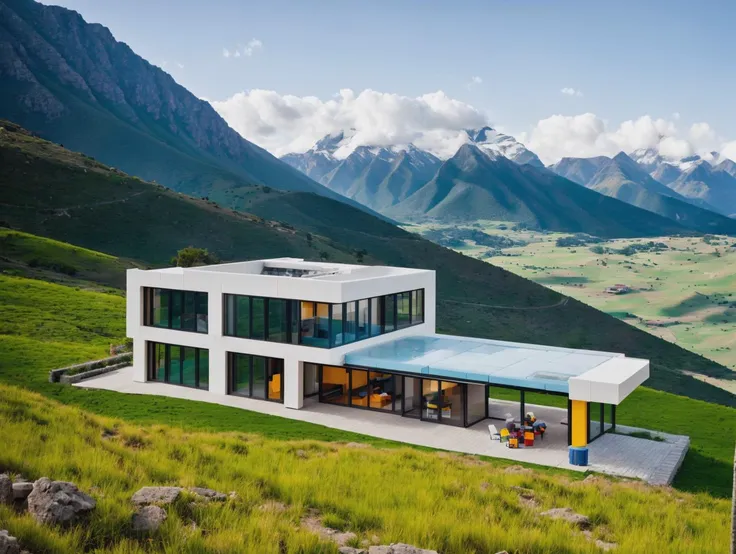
{"x":381,"y":390}
{"x":477,"y":402}
{"x":161,"y":303}
{"x":334,"y":385}
{"x":359,"y":389}
{"x":431,"y":403}
{"x":178,"y":365}
{"x":175,"y":365}
{"x":452,"y":399}
{"x":258,"y":387}
{"x":188,"y":366}
{"x":204,"y":369}
{"x":256,"y":376}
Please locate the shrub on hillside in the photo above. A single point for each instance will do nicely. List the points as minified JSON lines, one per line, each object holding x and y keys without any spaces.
{"x":193,"y":257}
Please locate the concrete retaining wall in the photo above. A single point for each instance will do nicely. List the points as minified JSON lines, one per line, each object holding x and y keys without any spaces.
{"x":69,"y":379}
{"x":55,"y":375}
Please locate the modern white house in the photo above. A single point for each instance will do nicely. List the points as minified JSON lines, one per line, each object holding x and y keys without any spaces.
{"x":283,"y":330}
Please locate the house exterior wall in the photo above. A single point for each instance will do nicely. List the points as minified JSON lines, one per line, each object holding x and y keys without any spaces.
{"x":217,"y":283}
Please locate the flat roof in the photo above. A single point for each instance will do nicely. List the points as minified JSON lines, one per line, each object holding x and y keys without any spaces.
{"x":292,"y":268}
{"x":530,"y":366}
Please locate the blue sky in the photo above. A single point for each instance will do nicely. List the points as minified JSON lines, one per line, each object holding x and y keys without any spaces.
{"x":626,"y":58}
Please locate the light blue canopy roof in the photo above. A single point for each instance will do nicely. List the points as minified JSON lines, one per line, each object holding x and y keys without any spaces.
{"x":544,"y":368}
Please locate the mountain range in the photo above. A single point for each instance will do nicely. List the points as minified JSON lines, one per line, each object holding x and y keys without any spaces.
{"x":508,"y":181}
{"x":73,"y":83}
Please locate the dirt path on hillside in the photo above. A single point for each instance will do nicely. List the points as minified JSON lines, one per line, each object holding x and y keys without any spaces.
{"x":559,"y":304}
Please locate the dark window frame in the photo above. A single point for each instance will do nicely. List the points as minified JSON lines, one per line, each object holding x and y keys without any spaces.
{"x":293,"y":317}
{"x":151,"y":362}
{"x":231,"y":363}
{"x":148,"y":294}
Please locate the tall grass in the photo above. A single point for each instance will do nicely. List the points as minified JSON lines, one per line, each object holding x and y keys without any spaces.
{"x":452,"y":503}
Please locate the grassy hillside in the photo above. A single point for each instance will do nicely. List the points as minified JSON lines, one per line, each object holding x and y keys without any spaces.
{"x":455,"y":504}
{"x":52,"y":260}
{"x":50,"y":191}
{"x":46,"y":325}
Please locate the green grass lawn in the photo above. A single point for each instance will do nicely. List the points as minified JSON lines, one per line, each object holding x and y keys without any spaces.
{"x":452,"y":503}
{"x":44,"y":326}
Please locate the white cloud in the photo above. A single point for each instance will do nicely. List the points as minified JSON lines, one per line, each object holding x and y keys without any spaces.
{"x":286,"y":123}
{"x":252,"y":47}
{"x":474,"y":80}
{"x":434,"y":121}
{"x":226,"y":52}
{"x":588,"y":135}
{"x":571,"y":91}
{"x":180,"y":65}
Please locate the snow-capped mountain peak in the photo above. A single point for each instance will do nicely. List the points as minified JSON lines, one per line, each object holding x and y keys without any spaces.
{"x":492,"y":141}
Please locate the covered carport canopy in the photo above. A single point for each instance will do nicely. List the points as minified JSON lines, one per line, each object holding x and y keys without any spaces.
{"x":584,"y":375}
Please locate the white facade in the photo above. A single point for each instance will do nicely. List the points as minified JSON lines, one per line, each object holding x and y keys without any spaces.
{"x":326,"y":282}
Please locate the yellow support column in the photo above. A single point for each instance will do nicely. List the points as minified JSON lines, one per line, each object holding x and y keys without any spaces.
{"x":579,"y":423}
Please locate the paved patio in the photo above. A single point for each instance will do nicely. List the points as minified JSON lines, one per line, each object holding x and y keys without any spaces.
{"x":620,"y":455}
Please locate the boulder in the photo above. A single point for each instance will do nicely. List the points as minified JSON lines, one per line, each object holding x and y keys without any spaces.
{"x":148,"y":519}
{"x":568,"y":515}
{"x":58,"y":502}
{"x":22,"y":490}
{"x":399,"y":548}
{"x":351,"y":550}
{"x":208,"y":494}
{"x":6,"y":489}
{"x":156,"y":495}
{"x":8,"y":544}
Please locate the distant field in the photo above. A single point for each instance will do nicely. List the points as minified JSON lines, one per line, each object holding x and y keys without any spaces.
{"x":685,"y":294}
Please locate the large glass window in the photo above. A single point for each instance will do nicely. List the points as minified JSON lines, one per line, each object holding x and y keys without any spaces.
{"x":242,"y":326}
{"x":313,"y":323}
{"x":277,"y":322}
{"x":351,"y":323}
{"x":417,"y":307}
{"x":337,"y":334}
{"x":359,"y":390}
{"x":403,"y":310}
{"x":389,"y":323}
{"x":178,"y":365}
{"x":256,"y":376}
{"x":258,"y":318}
{"x":176,"y":309}
{"x":363,"y":310}
{"x":160,"y":306}
{"x":376,"y":327}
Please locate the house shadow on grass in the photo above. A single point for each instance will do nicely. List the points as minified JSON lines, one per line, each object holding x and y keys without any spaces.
{"x":699,"y":473}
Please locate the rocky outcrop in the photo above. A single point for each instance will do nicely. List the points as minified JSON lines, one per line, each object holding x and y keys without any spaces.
{"x":567,"y":514}
{"x":58,"y":502}
{"x":148,"y":519}
{"x":21,"y":490}
{"x":398,"y":548}
{"x":8,"y":544}
{"x":156,"y":495}
{"x":6,"y":489}
{"x":208,"y":494}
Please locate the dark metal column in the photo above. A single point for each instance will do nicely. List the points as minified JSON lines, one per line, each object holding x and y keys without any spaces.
{"x":523,"y":408}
